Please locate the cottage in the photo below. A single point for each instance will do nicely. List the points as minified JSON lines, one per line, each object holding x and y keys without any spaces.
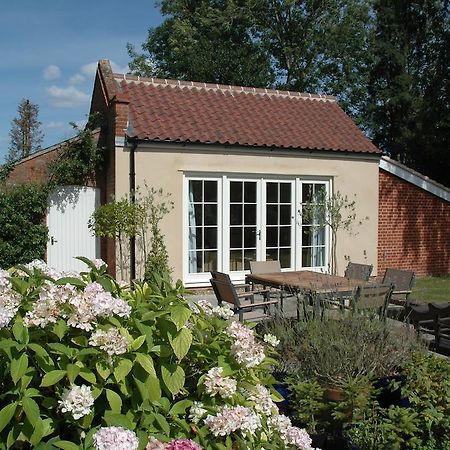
{"x":239,"y":162}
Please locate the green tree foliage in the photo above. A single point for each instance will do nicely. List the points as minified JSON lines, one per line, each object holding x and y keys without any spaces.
{"x":23,"y":234}
{"x":409,"y":104}
{"x":387,"y":62}
{"x":209,"y":41}
{"x":25,"y":134}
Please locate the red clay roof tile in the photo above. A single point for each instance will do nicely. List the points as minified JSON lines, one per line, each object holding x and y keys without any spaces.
{"x":180,"y":111}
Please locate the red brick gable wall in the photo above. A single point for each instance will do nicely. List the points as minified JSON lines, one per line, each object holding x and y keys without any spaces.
{"x":414,"y":228}
{"x":32,"y":170}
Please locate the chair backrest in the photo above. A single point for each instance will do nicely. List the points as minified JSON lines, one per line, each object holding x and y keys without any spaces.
{"x":358,"y":271}
{"x":220,"y":276}
{"x":264,"y":266}
{"x":373,"y":298}
{"x":225,"y":292}
{"x":403,"y":280}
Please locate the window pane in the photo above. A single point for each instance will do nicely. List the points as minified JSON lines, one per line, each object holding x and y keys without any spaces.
{"x":249,"y":237}
{"x":285,"y":193}
{"x":319,"y":236}
{"x":198,"y":215}
{"x":272,"y":236}
{"x":210,"y":214}
{"x":210,"y":191}
{"x":272,"y":254}
{"x":307,"y":192}
{"x":198,"y":238}
{"x":235,"y":191}
{"x":319,"y":256}
{"x":210,"y":261}
{"x":195,"y":190}
{"x":192,"y":238}
{"x":249,"y":255}
{"x":272,"y":192}
{"x":250,"y":192}
{"x":236,"y":260}
{"x":306,"y":236}
{"x":285,"y":215}
{"x":250,"y":214}
{"x":235,"y":214}
{"x":272,"y":214}
{"x":285,"y":236}
{"x":285,"y":257}
{"x":210,"y":237}
{"x":306,"y":257}
{"x":195,"y":262}
{"x":236,"y":237}
{"x":307,"y":216}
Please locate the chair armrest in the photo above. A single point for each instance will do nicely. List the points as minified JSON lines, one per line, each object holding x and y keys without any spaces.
{"x":252,"y":293}
{"x":401,"y":292}
{"x":252,"y":305}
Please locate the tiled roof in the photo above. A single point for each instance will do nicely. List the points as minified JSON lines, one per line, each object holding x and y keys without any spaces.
{"x":187,"y":112}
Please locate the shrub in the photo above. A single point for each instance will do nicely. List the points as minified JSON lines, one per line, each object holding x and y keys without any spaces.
{"x":88,"y":363}
{"x":23,"y":233}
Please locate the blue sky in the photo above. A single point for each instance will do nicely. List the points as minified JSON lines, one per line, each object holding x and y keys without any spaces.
{"x":49,"y":50}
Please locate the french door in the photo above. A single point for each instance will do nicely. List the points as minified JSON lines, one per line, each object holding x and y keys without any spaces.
{"x":232,"y":221}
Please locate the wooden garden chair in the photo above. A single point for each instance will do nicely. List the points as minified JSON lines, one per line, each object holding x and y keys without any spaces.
{"x":358,"y":271}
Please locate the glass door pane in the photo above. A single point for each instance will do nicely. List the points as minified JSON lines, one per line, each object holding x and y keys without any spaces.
{"x":243,"y":224}
{"x":313,"y":228}
{"x":203,"y":226}
{"x":279,"y":222}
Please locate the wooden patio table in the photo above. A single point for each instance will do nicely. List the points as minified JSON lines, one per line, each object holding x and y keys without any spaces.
{"x":308,"y":283}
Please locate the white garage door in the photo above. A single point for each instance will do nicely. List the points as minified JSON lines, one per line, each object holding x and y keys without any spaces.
{"x":69,"y":236}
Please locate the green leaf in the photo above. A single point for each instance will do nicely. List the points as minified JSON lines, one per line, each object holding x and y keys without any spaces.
{"x":162,"y":422}
{"x":122,"y":369}
{"x":173,"y":377}
{"x":66,"y":445}
{"x":119,"y":420}
{"x":179,"y":315}
{"x":137,"y":343}
{"x":60,"y":328}
{"x":20,"y":332}
{"x":102,"y":369}
{"x":71,"y":280}
{"x":180,"y":407}
{"x":181,"y":343}
{"x":114,"y":400}
{"x":72,"y":372}
{"x":106,"y":284}
{"x":61,"y":349}
{"x":147,"y":363}
{"x":6,"y":414}
{"x":8,"y":343}
{"x":88,"y":375}
{"x":31,"y":409}
{"x":38,"y":431}
{"x":19,"y":367}
{"x":52,"y":377}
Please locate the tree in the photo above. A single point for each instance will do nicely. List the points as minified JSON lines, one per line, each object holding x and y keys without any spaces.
{"x":26,"y":134}
{"x":207,"y":41}
{"x":409,"y":104}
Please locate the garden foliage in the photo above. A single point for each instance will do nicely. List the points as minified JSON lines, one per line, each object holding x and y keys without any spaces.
{"x":88,"y":363}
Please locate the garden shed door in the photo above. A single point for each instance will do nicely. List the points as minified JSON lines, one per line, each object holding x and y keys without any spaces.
{"x":70,"y":208}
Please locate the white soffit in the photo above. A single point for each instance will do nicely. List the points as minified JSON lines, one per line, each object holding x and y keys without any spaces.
{"x":415,"y":178}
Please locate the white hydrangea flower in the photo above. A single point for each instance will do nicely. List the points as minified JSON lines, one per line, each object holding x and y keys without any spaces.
{"x":43,"y":267}
{"x":231,"y":419}
{"x":197,"y":412}
{"x":224,"y":312}
{"x":203,"y":306}
{"x":115,"y":438}
{"x":271,"y":339}
{"x":263,"y":401}
{"x":4,"y":281}
{"x":215,"y":383}
{"x":98,"y":263}
{"x":111,"y":341}
{"x":77,"y":401}
{"x":9,"y":300}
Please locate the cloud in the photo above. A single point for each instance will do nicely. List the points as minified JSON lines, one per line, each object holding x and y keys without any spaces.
{"x":51,"y":72}
{"x":117,"y":69}
{"x":69,"y":97}
{"x":89,"y":69}
{"x":54,"y":124}
{"x":77,"y":78}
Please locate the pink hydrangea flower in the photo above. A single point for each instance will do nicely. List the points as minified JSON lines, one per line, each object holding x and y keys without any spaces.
{"x":183,"y":444}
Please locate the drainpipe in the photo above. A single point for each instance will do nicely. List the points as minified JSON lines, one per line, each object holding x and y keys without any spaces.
{"x":133,"y":200}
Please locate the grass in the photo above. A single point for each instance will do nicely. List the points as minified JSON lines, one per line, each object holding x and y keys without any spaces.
{"x":432,"y":289}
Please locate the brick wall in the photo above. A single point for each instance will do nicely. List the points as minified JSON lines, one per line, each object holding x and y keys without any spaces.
{"x":414,"y":228}
{"x":32,"y":169}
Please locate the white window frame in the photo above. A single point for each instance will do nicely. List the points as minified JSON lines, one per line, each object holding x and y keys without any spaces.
{"x":223,"y":186}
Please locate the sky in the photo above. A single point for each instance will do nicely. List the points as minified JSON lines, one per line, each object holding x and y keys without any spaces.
{"x":49,"y":51}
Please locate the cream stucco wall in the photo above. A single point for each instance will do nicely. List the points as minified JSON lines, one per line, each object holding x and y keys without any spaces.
{"x":352,"y":175}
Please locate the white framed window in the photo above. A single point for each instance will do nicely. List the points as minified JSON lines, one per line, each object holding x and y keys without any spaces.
{"x":230,"y":221}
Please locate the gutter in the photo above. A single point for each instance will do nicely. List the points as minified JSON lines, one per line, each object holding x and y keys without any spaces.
{"x":133,"y":148}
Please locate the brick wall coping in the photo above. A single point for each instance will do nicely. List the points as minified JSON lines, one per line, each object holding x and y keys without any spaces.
{"x":415,"y":178}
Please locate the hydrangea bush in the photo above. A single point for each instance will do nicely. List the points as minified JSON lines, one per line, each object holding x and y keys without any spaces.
{"x":87,"y":363}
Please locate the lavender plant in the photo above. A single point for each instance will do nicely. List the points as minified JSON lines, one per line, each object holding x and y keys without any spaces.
{"x":88,"y":363}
